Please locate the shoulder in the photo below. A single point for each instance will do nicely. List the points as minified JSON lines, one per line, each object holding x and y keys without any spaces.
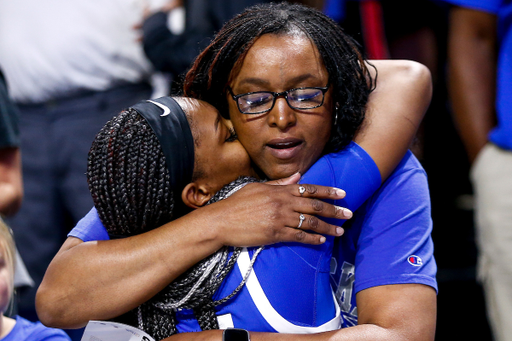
{"x":35,"y":331}
{"x":402,"y":203}
{"x":351,"y":157}
{"x":408,"y":181}
{"x":395,"y":244}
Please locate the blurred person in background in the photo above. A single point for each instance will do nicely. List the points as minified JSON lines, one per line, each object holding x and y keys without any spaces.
{"x":172,"y":51}
{"x":16,"y":328}
{"x":11,"y":183}
{"x":172,"y":46}
{"x":480,"y":75}
{"x":11,"y":180}
{"x":70,"y":67}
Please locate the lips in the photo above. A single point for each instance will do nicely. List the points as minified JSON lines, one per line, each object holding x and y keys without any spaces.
{"x":284,"y":148}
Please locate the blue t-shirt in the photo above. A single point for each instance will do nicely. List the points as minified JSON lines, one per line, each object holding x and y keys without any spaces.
{"x":501,"y":135}
{"x":388,"y":241}
{"x":289,"y":289}
{"x":25,"y":330}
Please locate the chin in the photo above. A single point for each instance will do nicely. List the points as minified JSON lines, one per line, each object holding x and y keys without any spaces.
{"x":281,"y":173}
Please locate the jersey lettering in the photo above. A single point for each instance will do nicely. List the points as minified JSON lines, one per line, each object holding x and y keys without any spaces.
{"x":344,"y":291}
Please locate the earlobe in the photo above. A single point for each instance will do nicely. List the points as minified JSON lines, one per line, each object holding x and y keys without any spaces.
{"x":195,"y":195}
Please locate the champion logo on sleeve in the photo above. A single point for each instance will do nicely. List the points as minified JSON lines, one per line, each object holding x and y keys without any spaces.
{"x":415,"y":260}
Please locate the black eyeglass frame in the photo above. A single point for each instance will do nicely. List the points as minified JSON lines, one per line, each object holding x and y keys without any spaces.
{"x":276,"y":95}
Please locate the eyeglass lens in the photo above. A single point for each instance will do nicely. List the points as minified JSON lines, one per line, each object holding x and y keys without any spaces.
{"x":258,"y":102}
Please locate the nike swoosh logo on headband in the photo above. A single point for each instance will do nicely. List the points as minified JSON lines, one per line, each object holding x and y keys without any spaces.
{"x":166,"y":110}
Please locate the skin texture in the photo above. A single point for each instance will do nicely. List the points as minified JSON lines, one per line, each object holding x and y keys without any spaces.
{"x":219,"y":155}
{"x":288,"y":140}
{"x":472,"y":75}
{"x":101,"y":280}
{"x":11,"y":183}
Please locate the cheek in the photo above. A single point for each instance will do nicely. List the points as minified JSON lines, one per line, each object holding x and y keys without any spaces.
{"x":239,"y":160}
{"x":247,"y":134}
{"x":319,"y":130}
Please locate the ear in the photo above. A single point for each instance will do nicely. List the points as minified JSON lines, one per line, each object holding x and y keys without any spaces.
{"x":195,"y":195}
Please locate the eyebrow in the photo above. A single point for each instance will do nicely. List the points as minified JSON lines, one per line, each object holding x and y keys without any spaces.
{"x":264,"y":82}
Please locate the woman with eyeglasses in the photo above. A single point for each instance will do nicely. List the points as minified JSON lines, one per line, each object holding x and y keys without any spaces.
{"x":295,"y":88}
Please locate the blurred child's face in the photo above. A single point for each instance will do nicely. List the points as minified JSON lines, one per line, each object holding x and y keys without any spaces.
{"x":6,"y":280}
{"x":220,"y":158}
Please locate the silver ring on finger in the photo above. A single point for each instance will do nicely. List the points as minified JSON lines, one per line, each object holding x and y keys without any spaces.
{"x":302,"y":189}
{"x":301,"y":220}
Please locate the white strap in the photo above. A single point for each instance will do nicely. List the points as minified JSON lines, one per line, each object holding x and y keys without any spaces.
{"x":276,"y":321}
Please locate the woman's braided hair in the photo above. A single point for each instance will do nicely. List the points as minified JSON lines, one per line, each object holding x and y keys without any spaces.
{"x":129,"y":183}
{"x":220,"y":62}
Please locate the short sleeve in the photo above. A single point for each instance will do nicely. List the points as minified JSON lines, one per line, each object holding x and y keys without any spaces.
{"x":90,"y":228}
{"x":395,"y":244}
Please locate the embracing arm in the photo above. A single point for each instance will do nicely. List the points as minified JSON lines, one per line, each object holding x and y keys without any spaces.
{"x":11,"y":184}
{"x":385,"y":313}
{"x":103,"y":279}
{"x":395,"y":111}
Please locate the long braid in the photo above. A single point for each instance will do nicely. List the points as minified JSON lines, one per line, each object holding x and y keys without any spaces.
{"x":126,"y":171}
{"x":130,"y":186}
{"x":126,"y":175}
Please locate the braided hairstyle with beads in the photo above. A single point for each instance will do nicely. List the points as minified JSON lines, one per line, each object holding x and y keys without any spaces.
{"x":130,"y":186}
{"x":220,"y":62}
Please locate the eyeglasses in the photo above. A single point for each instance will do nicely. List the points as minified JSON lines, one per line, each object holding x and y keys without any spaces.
{"x":260,"y":102}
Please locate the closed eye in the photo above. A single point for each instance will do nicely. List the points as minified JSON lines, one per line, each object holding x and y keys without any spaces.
{"x":232,"y":135}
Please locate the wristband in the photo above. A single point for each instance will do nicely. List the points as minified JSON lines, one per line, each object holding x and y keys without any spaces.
{"x":235,"y":334}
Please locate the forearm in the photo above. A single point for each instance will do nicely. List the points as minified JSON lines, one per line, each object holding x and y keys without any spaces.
{"x":395,"y":111}
{"x":365,"y":332}
{"x":11,"y":184}
{"x":403,"y":312}
{"x":102,"y":280}
{"x":472,"y":69}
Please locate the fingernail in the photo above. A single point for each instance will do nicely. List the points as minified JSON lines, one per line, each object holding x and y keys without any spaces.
{"x":322,"y":239}
{"x":340,"y":192}
{"x":339,"y":231}
{"x":347,"y":213}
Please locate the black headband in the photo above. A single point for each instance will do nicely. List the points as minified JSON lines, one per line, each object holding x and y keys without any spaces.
{"x":170,"y":125}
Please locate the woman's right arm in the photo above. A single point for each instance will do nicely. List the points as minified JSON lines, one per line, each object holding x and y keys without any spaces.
{"x":395,"y":111}
{"x":103,"y":279}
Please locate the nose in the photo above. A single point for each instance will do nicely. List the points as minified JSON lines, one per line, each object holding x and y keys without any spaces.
{"x":281,"y":115}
